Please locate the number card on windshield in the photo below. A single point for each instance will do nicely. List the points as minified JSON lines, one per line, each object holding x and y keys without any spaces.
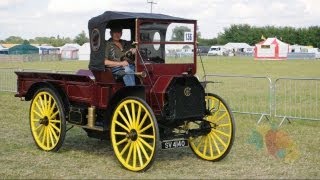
{"x":188,"y":36}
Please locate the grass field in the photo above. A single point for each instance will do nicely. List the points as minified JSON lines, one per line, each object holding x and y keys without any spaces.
{"x":83,"y":157}
{"x":216,"y":65}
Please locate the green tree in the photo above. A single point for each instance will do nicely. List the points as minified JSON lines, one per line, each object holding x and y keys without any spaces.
{"x":81,"y":38}
{"x":252,"y":34}
{"x":178,"y":33}
{"x":14,"y":40}
{"x":198,"y":33}
{"x":207,"y":42}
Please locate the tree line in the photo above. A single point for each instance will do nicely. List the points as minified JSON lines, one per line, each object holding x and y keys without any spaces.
{"x":80,"y":39}
{"x":308,"y":36}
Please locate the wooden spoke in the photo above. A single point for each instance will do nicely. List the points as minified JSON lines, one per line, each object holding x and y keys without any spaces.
{"x":136,"y":150}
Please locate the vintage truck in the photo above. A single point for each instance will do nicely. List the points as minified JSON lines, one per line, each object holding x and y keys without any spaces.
{"x":168,"y":108}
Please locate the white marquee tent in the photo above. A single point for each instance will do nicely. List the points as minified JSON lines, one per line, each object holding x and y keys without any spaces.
{"x":236,"y":46}
{"x":70,"y":51}
{"x":84,"y":52}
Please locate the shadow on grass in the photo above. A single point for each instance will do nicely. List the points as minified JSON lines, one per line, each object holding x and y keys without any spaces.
{"x":77,"y":141}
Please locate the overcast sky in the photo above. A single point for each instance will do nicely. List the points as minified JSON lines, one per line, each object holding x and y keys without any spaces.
{"x":67,"y":18}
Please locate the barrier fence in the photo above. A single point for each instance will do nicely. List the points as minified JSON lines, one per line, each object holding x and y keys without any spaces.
{"x":30,"y":57}
{"x":245,"y":94}
{"x":286,"y":98}
{"x":297,"y":98}
{"x":8,"y":79}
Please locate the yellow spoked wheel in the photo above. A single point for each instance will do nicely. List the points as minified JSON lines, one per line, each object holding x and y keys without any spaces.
{"x":47,"y":120}
{"x":134,"y":134}
{"x":216,"y":144}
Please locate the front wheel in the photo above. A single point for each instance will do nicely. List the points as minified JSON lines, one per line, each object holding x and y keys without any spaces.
{"x":216,"y":144}
{"x":134,"y":134}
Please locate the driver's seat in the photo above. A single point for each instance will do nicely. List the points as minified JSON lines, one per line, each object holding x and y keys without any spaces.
{"x":118,"y":76}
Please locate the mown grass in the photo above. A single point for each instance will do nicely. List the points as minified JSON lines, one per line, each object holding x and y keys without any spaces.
{"x":213,"y":65}
{"x":83,"y":157}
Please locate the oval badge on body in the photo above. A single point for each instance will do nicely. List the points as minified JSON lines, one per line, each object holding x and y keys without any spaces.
{"x":187,"y":91}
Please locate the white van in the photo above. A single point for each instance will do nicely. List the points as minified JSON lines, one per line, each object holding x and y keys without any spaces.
{"x":215,"y":51}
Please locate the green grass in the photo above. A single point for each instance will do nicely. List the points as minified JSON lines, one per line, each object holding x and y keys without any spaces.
{"x":83,"y":157}
{"x":213,"y":65}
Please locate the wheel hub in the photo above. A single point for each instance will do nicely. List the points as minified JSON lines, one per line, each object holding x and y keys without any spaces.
{"x":205,"y":126}
{"x":133,"y":135}
{"x":44,"y":121}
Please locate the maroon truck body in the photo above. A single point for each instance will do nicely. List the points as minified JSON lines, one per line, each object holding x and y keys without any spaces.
{"x":82,"y":87}
{"x":97,"y":88}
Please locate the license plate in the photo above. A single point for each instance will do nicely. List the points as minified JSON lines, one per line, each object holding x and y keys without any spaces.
{"x":176,"y":143}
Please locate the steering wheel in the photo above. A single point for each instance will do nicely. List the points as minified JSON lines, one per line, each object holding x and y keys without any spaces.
{"x":128,"y":55}
{"x":145,"y":52}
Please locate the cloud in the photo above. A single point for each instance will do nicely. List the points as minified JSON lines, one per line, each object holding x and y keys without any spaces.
{"x":58,"y":6}
{"x":8,"y":3}
{"x":83,"y":6}
{"x":243,"y":10}
{"x":68,"y":18}
{"x":311,"y":7}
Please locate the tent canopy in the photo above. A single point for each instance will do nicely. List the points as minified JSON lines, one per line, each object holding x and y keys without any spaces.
{"x":84,"y":52}
{"x":271,"y":48}
{"x":270,"y":41}
{"x":236,"y":45}
{"x":3,"y":50}
{"x":24,"y":48}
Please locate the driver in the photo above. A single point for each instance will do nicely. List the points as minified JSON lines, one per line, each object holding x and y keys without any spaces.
{"x":115,"y":57}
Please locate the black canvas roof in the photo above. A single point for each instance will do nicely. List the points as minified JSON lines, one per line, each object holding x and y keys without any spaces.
{"x":115,"y":15}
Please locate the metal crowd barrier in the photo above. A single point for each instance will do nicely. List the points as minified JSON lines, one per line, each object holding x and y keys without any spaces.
{"x":8,"y":79}
{"x":244,"y":94}
{"x":297,"y":98}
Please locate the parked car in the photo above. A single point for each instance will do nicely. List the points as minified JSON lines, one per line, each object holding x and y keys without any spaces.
{"x":216,"y":51}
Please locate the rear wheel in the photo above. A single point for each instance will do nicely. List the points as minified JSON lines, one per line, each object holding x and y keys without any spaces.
{"x":47,"y":120}
{"x":216,"y":144}
{"x":134,"y":134}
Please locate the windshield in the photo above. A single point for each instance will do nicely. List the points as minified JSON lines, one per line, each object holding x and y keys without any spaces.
{"x":215,"y":49}
{"x":169,"y":43}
